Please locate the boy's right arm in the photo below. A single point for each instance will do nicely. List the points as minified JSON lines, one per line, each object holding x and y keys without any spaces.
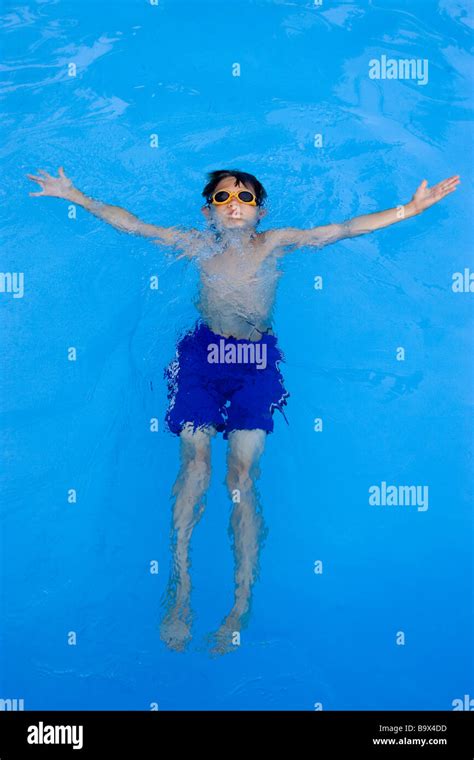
{"x":62,"y":187}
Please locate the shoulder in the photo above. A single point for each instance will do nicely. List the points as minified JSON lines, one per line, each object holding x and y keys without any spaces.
{"x":185,"y":239}
{"x":274,"y":240}
{"x":295,"y":237}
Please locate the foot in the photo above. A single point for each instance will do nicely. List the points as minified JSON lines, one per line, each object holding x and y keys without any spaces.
{"x":175,"y":628}
{"x":224,"y":640}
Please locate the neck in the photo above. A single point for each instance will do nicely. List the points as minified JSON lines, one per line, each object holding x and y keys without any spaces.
{"x":227,"y":236}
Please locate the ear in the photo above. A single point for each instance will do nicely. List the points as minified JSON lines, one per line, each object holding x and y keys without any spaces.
{"x":206,"y":211}
{"x":262,"y":212}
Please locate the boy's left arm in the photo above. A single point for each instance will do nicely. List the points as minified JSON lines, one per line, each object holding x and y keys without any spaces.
{"x":424,"y":197}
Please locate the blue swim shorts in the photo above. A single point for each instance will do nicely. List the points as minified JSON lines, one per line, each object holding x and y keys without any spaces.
{"x":230,"y":383}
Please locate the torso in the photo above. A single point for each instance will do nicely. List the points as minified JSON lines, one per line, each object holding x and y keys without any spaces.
{"x":237,"y":286}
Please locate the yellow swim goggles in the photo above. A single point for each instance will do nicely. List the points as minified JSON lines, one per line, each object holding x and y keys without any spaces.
{"x":243,"y":196}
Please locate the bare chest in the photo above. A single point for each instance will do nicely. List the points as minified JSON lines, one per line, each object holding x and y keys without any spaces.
{"x":237,"y":265}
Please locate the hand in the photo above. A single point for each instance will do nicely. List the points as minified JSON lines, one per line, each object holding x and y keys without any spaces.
{"x":426,"y":197}
{"x":57,"y":187}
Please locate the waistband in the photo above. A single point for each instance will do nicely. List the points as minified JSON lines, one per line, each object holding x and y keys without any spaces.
{"x":267,"y":335}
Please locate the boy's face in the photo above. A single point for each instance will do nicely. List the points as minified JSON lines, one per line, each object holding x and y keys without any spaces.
{"x":234,"y":214}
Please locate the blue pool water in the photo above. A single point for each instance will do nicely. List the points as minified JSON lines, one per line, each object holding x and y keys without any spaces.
{"x":387,"y":624}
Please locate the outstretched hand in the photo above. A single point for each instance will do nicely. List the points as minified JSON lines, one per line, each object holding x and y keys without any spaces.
{"x":427,"y":196}
{"x":57,"y":187}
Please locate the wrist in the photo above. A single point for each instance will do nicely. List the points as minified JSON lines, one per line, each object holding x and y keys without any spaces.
{"x":74,"y":195}
{"x":412,"y":209}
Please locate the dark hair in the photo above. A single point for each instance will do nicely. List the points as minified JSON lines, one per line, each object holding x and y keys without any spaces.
{"x":241,"y":178}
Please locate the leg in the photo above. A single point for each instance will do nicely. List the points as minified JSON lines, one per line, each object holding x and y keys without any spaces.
{"x":189,"y":489}
{"x":246,"y":527}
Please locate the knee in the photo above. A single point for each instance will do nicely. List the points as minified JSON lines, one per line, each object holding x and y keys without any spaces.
{"x":195,"y":470}
{"x":199,"y":467}
{"x":239,"y":476}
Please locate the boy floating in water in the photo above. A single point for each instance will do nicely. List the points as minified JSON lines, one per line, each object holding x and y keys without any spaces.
{"x":225,"y":377}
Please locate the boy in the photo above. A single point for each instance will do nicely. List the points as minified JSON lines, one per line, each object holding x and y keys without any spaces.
{"x":225,"y":377}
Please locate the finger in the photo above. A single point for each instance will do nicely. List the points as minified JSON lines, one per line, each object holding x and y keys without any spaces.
{"x":445,"y":184}
{"x":448,"y":182}
{"x":36,"y":179}
{"x":61,"y":172}
{"x":41,"y":193}
{"x":47,"y":176}
{"x":442,"y":193}
{"x":447,"y":189}
{"x":422,"y":186}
